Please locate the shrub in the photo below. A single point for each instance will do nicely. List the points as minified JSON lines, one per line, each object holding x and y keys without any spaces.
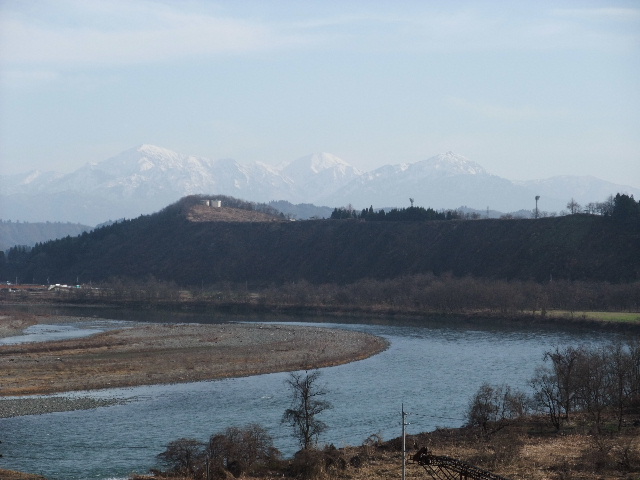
{"x":491,"y":408}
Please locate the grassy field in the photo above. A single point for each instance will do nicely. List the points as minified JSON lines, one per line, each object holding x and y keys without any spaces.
{"x":622,"y":317}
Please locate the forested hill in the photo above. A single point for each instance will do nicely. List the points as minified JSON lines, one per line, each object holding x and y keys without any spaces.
{"x":169,"y":246}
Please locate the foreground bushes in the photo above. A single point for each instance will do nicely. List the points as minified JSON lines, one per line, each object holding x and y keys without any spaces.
{"x":239,"y":451}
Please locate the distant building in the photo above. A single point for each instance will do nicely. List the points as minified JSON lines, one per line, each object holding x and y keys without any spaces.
{"x":212,"y":203}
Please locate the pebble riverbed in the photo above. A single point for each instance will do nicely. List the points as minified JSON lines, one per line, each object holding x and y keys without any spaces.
{"x":16,"y":407}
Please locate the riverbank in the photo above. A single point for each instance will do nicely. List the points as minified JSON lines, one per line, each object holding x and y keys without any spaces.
{"x":171,"y":353}
{"x":624,"y":321}
{"x":13,"y":475}
{"x":14,"y":323}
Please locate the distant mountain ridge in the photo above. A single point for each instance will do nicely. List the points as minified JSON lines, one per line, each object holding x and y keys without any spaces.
{"x":28,"y":234}
{"x":146,"y":178}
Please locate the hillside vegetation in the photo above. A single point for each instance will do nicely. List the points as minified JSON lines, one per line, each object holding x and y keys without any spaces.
{"x":170,"y":247}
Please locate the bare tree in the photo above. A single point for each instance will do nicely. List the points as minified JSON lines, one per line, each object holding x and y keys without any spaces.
{"x":183,"y":455}
{"x":594,"y":383}
{"x":606,"y":207}
{"x":556,"y":386}
{"x":633,"y":370}
{"x":573,"y":206}
{"x":547,"y":395}
{"x":492,"y":407}
{"x":564,"y":364}
{"x":306,"y":405}
{"x":620,"y":376}
{"x":241,"y":450}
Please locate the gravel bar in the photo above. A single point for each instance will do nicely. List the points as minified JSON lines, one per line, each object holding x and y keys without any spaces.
{"x":151,"y":354}
{"x":16,"y":407}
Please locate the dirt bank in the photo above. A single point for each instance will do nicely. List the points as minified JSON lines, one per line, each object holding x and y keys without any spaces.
{"x":13,"y":475}
{"x":15,"y":323}
{"x":171,"y":353}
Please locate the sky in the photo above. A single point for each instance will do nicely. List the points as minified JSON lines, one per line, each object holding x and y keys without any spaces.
{"x":529,"y":90}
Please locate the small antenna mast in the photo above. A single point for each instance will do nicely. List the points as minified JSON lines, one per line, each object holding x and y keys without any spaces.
{"x":404,"y":443}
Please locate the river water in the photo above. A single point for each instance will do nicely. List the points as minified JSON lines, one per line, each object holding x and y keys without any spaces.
{"x":432,"y":368}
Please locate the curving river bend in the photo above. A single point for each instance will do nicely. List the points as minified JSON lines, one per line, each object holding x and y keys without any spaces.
{"x":432,"y":368}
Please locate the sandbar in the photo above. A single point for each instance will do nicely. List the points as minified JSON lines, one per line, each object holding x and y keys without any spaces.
{"x":149,"y":354}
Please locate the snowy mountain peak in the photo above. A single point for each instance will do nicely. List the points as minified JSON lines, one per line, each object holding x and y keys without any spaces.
{"x":323,"y":161}
{"x":450,"y":163}
{"x":317,"y":163}
{"x":39,"y":176}
{"x":142,"y":158}
{"x":316,"y":174}
{"x":154,"y":150}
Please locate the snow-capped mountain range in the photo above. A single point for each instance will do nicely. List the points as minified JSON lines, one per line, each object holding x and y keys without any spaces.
{"x":145,"y":179}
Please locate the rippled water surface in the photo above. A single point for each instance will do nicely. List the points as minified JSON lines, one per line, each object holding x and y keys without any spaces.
{"x":433,"y":370}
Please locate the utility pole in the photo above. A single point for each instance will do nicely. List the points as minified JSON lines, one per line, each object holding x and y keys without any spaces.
{"x":404,"y":443}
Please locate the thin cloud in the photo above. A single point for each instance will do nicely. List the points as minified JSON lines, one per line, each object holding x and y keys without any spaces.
{"x":112,"y":33}
{"x":161,"y":34}
{"x":504,"y":112}
{"x":478,"y":29}
{"x":528,"y":29}
{"x":611,"y":13}
{"x":28,"y":77}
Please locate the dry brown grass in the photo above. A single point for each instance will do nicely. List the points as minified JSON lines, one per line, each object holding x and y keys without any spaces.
{"x":203,"y":213}
{"x":13,"y":475}
{"x":15,"y":323}
{"x":515,"y":453}
{"x":529,"y":450}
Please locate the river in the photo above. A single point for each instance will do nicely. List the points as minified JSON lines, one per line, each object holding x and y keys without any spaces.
{"x":432,"y":368}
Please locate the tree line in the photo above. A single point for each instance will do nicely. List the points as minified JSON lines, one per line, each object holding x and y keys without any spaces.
{"x":602,"y":384}
{"x":410,"y":214}
{"x":416,"y":294}
{"x":621,"y":207}
{"x":450,"y":294}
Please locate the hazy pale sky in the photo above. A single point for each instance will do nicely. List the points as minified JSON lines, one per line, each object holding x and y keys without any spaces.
{"x":526,"y":89}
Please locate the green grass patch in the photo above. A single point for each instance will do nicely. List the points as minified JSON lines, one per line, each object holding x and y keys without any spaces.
{"x":623,"y":317}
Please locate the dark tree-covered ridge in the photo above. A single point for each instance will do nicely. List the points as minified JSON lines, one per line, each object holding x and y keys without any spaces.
{"x":169,"y":247}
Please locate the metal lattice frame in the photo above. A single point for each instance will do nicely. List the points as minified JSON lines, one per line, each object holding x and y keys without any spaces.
{"x":447,"y":468}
